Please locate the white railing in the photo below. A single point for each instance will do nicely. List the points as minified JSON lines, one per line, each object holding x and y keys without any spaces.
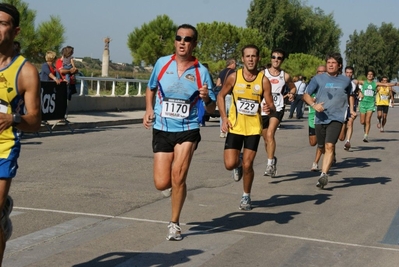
{"x":113,"y":80}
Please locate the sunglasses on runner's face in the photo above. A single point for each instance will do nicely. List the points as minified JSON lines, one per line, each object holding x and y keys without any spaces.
{"x":185,"y":38}
{"x":279,"y":58}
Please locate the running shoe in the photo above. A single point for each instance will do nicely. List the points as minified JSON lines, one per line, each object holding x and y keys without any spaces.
{"x":323,"y":181}
{"x":381,"y":129}
{"x":5,"y":222}
{"x":271,"y":169}
{"x":378,"y":125}
{"x":315,"y":167}
{"x":347,"y":145}
{"x":237,"y":172}
{"x":245,"y":203}
{"x":365,"y":138}
{"x":167,"y":192}
{"x":174,"y":232}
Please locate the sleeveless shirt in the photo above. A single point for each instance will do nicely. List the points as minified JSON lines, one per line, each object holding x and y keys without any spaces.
{"x":383,"y":96}
{"x":277,"y":83}
{"x":10,"y":102}
{"x":369,"y":90}
{"x":245,"y":108}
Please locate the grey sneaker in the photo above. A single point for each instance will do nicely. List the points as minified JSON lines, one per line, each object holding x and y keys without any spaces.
{"x":237,"y":172}
{"x":5,"y":221}
{"x":245,"y":203}
{"x":365,"y":138}
{"x":315,"y":167}
{"x":167,"y":192}
{"x":271,"y":170}
{"x":323,"y":181}
{"x":174,"y":232}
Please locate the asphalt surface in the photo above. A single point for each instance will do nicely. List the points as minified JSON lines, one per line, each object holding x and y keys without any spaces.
{"x":86,"y":198}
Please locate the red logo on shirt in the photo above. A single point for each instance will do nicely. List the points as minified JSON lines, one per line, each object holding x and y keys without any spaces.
{"x":274,"y":81}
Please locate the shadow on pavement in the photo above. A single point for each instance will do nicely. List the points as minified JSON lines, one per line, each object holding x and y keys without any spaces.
{"x":384,"y":140}
{"x":296,"y":176}
{"x":355,"y":162}
{"x":285,"y":126}
{"x":355,"y":181}
{"x":142,"y":259}
{"x":365,"y":148}
{"x":67,"y":132}
{"x":237,"y":220}
{"x":283,"y":200}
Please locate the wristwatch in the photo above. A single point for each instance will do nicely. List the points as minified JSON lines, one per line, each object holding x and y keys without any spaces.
{"x":16,"y":119}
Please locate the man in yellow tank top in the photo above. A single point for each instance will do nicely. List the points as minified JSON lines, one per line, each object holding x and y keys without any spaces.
{"x":19,"y":88}
{"x":248,"y":87}
{"x":384,"y":96}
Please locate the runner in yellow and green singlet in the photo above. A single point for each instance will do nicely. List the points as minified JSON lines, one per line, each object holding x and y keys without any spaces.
{"x":384,"y":96}
{"x":367,"y":104}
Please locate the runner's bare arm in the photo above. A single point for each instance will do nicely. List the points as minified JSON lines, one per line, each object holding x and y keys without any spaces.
{"x":149,"y":109}
{"x":291,"y":86}
{"x":29,"y":88}
{"x":267,"y":95}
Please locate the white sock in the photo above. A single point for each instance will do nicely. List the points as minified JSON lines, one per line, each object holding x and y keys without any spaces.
{"x":270,"y":161}
{"x":246,"y":194}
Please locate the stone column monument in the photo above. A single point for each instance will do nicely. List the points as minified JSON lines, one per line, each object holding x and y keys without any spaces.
{"x":105,"y":65}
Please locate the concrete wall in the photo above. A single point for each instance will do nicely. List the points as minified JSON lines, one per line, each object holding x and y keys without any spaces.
{"x":105,"y":103}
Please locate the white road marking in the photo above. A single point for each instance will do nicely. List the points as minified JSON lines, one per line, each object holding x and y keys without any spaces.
{"x":210,"y":228}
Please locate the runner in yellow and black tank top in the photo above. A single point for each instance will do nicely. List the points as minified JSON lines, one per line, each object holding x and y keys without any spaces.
{"x":245,"y":107}
{"x":383,"y":95}
{"x":10,"y":102}
{"x":383,"y":99}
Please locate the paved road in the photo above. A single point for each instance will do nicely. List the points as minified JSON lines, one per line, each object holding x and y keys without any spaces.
{"x":87,"y":199}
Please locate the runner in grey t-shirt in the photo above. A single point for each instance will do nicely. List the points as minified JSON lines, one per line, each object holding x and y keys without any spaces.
{"x":333,"y":91}
{"x":330,"y":103}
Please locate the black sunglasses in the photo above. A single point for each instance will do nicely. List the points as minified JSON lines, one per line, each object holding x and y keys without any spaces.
{"x":279,"y":58}
{"x":185,"y":38}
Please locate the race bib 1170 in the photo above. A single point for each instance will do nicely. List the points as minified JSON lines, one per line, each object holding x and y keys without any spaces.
{"x":175,"y":108}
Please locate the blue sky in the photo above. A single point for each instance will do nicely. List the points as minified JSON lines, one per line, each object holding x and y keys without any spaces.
{"x":88,"y":22}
